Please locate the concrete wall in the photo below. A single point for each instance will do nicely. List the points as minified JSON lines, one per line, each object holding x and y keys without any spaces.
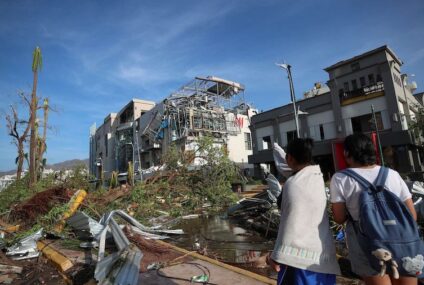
{"x":236,"y":143}
{"x":326,"y":110}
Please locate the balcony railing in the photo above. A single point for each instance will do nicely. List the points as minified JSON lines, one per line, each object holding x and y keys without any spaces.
{"x":363,"y":93}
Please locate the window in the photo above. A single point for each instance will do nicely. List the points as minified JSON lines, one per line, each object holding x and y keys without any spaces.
{"x":291,"y":136}
{"x":362,"y":81}
{"x":346,"y":86}
{"x":379,"y":79}
{"x":247,"y":141}
{"x":341,"y":92}
{"x":266,"y":142}
{"x":354,"y":84}
{"x":397,"y":79}
{"x":365,"y":123}
{"x":321,"y":132}
{"x":371,"y":79}
{"x":355,"y":66}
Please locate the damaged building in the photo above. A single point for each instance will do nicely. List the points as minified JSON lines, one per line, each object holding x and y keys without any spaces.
{"x":142,"y":131}
{"x":329,"y":113}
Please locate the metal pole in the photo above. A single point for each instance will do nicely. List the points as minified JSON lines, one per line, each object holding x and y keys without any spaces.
{"x":378,"y":135}
{"x":293,"y":98}
{"x":132,"y":144}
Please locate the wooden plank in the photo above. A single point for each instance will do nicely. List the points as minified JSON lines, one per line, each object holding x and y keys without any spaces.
{"x":5,"y":269}
{"x":243,"y":272}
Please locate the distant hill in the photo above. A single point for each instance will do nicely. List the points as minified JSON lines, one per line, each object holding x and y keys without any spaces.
{"x":67,"y":164}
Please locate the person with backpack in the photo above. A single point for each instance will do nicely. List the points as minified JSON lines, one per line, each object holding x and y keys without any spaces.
{"x":381,"y":233}
{"x":304,"y":251}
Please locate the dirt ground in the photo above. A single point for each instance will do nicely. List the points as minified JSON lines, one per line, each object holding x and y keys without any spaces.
{"x":36,"y":271}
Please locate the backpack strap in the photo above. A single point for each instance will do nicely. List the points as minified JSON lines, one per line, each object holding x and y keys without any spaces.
{"x":361,"y":180}
{"x":381,"y":178}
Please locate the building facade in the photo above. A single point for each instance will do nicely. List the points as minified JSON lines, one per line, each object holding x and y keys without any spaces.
{"x":143,"y":131}
{"x":111,"y":144}
{"x":328,"y":115}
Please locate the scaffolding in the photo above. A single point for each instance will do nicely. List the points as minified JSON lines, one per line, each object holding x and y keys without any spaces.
{"x":203,"y":106}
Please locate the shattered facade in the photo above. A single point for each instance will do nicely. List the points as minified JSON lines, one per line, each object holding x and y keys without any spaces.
{"x":205,"y":106}
{"x":112,"y":144}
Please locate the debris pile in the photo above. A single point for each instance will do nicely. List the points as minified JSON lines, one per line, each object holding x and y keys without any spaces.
{"x":40,"y":204}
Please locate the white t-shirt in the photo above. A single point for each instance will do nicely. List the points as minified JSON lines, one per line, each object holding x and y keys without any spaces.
{"x":344,"y":189}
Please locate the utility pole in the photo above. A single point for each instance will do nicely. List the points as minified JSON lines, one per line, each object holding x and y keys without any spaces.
{"x":378,"y":136}
{"x":287,"y":67}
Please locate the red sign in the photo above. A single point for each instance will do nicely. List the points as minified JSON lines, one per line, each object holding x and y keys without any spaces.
{"x":338,"y":156}
{"x":239,"y":122}
{"x":375,"y":143}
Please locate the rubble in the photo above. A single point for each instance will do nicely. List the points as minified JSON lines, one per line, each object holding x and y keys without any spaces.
{"x":25,"y":248}
{"x":6,"y":269}
{"x":40,"y":204}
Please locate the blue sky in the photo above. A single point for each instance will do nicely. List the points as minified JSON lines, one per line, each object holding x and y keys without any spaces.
{"x":97,"y":55}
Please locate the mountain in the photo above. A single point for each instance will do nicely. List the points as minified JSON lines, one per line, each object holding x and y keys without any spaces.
{"x":67,"y":164}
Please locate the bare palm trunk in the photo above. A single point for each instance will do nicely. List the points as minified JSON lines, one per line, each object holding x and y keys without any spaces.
{"x":42,"y":143}
{"x":33,"y":135}
{"x":20,"y":160}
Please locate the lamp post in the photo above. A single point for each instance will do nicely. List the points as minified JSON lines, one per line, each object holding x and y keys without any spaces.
{"x":287,"y":67}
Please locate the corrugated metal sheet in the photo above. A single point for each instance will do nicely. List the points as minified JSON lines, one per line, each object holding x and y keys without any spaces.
{"x":26,"y":247}
{"x":80,"y":221}
{"x":121,"y":267}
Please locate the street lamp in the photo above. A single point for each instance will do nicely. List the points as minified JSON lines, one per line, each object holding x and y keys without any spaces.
{"x":287,"y":67}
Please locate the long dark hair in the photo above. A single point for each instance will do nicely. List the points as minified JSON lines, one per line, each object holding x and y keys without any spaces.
{"x":360,"y":148}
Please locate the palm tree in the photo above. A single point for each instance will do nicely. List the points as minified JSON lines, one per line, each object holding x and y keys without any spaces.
{"x":36,"y":65}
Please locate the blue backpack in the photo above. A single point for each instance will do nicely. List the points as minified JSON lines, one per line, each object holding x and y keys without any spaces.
{"x":386,"y":231}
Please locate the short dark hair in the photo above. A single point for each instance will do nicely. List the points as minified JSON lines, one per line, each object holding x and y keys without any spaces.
{"x":360,"y":148}
{"x":301,"y":150}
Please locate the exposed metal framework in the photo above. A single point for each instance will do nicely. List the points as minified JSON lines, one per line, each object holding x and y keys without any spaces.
{"x":204,"y":105}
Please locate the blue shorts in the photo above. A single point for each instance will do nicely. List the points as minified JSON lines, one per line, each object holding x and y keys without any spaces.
{"x":294,"y":276}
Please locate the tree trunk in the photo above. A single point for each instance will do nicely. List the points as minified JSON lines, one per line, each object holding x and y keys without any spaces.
{"x":20,"y":160}
{"x":33,"y":136}
{"x":42,"y":145}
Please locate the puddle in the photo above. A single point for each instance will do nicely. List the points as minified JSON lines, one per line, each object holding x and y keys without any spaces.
{"x":224,"y":239}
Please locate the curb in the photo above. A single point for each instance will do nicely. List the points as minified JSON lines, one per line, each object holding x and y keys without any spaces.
{"x":58,"y":259}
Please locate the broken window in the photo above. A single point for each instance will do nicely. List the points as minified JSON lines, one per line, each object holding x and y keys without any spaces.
{"x":267,"y":142}
{"x":365,"y":123}
{"x":321,"y":132}
{"x":291,"y":136}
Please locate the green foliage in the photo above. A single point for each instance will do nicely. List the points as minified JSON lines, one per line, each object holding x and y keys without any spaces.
{"x":212,"y":182}
{"x":417,"y":124}
{"x":77,"y":179}
{"x":13,"y":239}
{"x":37,"y":60}
{"x":19,"y":191}
{"x":49,"y":220}
{"x":113,"y":180}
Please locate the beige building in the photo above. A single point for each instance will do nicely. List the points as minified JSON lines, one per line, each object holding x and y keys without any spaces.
{"x":111,"y":144}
